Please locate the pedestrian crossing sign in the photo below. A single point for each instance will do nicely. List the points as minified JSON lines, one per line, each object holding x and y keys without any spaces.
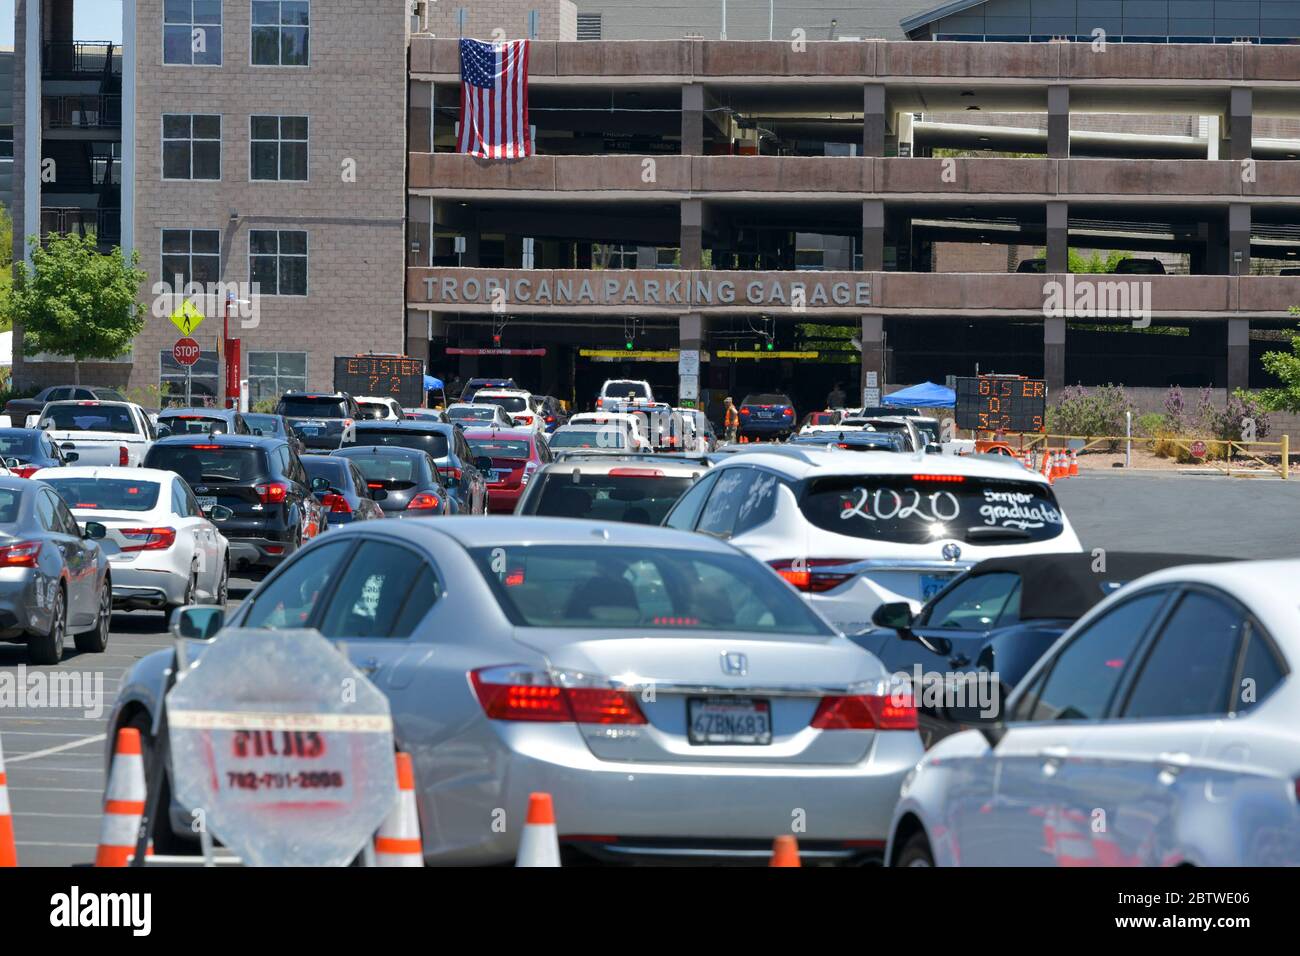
{"x":187,"y":318}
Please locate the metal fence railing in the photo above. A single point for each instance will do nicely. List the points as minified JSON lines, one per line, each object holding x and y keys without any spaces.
{"x":82,"y":58}
{"x":82,"y":111}
{"x":1217,"y":453}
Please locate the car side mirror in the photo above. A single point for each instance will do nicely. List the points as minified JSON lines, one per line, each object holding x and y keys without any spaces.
{"x":94,"y":531}
{"x":894,"y":614}
{"x":198,"y":622}
{"x":71,"y":456}
{"x":163,"y":431}
{"x":257,"y":431}
{"x":378,"y":494}
{"x":220,"y":513}
{"x":320,"y":484}
{"x":483,"y":463}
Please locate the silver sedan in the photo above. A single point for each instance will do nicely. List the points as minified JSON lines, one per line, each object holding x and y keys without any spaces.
{"x":675,"y":696}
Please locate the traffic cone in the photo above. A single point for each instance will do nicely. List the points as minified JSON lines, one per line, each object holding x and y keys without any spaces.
{"x":123,"y":801}
{"x":1074,"y":463}
{"x":540,"y":844}
{"x":785,"y":851}
{"x":398,"y":841}
{"x":8,"y":851}
{"x":1047,"y":464}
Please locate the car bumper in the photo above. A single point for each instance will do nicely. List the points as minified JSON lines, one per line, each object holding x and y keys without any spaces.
{"x":145,"y":588}
{"x":762,"y":427}
{"x":681,"y":813}
{"x":20,"y":612}
{"x":503,"y":500}
{"x":260,"y":552}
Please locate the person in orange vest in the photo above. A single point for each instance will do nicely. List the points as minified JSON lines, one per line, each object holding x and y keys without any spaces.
{"x":730,"y":420}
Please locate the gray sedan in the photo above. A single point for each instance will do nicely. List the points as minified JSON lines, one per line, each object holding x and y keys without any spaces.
{"x":54,"y":578}
{"x":676,"y":697}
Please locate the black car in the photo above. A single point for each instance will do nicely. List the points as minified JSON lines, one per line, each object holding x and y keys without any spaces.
{"x":446,"y":445}
{"x":341,"y":489}
{"x":996,"y":620}
{"x":202,"y":421}
{"x":26,"y":450}
{"x":274,"y":426}
{"x":548,"y":407}
{"x":319,"y":418}
{"x":262,"y":480}
{"x":407,"y":478}
{"x":475,"y":384}
{"x":19,"y":408}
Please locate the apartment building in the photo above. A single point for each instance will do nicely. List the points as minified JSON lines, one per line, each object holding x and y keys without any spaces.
{"x":260,"y":153}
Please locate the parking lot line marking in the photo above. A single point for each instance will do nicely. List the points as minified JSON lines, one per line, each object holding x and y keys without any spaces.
{"x":39,"y":733}
{"x":78,"y":846}
{"x":97,"y":738}
{"x":13,"y":789}
{"x":74,"y":816}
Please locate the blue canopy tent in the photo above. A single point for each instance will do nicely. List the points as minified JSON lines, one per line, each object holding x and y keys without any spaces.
{"x":432,"y":384}
{"x":925,"y":395}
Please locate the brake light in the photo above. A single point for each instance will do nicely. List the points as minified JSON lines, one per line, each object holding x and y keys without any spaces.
{"x":149,"y":539}
{"x":812,"y":574}
{"x":24,"y":471}
{"x":123,"y":458}
{"x":424,"y":502}
{"x":636,"y":473}
{"x":526,"y":419}
{"x":865,"y":712}
{"x":951,"y":479}
{"x":744,"y":411}
{"x":448,"y":472}
{"x":789,"y":413}
{"x":272,"y":493}
{"x":511,"y":693}
{"x":20,"y":555}
{"x":550,"y":419}
{"x":87,"y":403}
{"x":337,"y":504}
{"x":205,"y":447}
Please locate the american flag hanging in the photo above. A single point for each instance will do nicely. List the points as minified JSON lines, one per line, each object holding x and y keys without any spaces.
{"x":494,"y":99}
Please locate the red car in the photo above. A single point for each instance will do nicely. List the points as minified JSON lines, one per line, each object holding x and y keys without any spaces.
{"x":516,"y":454}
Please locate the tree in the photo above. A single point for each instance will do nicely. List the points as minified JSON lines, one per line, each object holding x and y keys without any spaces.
{"x":77,"y":301}
{"x":1286,"y":367}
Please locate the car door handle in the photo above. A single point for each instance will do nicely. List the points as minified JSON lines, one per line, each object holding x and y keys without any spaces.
{"x":370,"y":665}
{"x":959,"y":660}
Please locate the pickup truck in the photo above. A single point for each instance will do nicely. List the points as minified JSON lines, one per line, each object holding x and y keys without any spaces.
{"x":19,"y":408}
{"x":99,"y":433}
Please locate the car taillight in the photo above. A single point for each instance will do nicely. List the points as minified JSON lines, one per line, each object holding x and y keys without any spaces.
{"x":123,"y":458}
{"x":525,"y":419}
{"x":947,"y":479}
{"x":635,"y":473}
{"x":550,"y":419}
{"x":20,"y":555}
{"x":272,"y":493}
{"x":149,"y":539}
{"x":424,"y":502}
{"x":744,"y":411}
{"x":517,"y":693}
{"x":788,"y":413}
{"x":865,"y":712}
{"x":448,"y":472}
{"x":337,"y":504}
{"x":528,"y":473}
{"x":813,"y":575}
{"x":25,"y":471}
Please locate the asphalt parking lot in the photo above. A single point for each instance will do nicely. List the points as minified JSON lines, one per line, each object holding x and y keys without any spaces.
{"x":55,"y":759}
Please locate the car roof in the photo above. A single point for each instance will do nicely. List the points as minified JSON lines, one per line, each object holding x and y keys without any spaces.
{"x":90,"y":401}
{"x":480,"y":431}
{"x":227,"y":440}
{"x":395,"y":451}
{"x":603,"y":464}
{"x":197,"y":410}
{"x":109,"y":472}
{"x":422,"y":426}
{"x":809,"y":462}
{"x":476,"y":531}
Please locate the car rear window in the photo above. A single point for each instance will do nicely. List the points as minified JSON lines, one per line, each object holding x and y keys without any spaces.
{"x":916,"y":509}
{"x":766,"y":398}
{"x":587,"y":438}
{"x":373,"y":410}
{"x":269,"y":424}
{"x":511,"y":403}
{"x":634,"y":495}
{"x":514,"y":449}
{"x":192,"y":424}
{"x":9,"y":506}
{"x":89,"y":418}
{"x":434,"y":443}
{"x":209,"y":464}
{"x":621,"y":389}
{"x":107,"y":494}
{"x":620,"y":588}
{"x":478,"y":413}
{"x":301,"y":406}
{"x":331,"y":471}
{"x":19,"y":443}
{"x":390,"y":471}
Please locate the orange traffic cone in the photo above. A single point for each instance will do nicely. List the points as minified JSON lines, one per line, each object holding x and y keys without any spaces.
{"x":123,"y":801}
{"x":398,"y":841}
{"x":540,"y":844}
{"x":1047,"y":465}
{"x":8,"y":850}
{"x":785,"y":851}
{"x":1074,"y":463}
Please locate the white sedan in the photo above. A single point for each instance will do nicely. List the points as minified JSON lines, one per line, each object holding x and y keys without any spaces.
{"x":167,"y":553}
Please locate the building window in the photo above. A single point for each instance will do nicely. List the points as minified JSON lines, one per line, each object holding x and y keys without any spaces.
{"x":279,"y":148}
{"x":192,"y":32}
{"x":201,"y":379}
{"x":589,"y":26}
{"x":191,"y":146}
{"x":192,"y":254}
{"x":6,"y":142}
{"x":277,"y":261}
{"x":280,"y":32}
{"x":271,"y":374}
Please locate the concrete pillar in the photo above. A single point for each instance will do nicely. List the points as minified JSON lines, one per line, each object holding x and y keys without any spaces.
{"x":1213,"y":127}
{"x":1240,"y":121}
{"x":692,"y":119}
{"x":417,"y":333}
{"x":1058,"y":122}
{"x":873,"y":119}
{"x":1238,"y":354}
{"x":692,"y":329}
{"x":873,"y":235}
{"x":692,"y":234}
{"x":1239,"y":239}
{"x":1054,"y":354}
{"x":1058,"y":238}
{"x":905,"y":124}
{"x":873,"y":358}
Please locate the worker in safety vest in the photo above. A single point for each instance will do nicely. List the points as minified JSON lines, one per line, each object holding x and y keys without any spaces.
{"x":730,"y":419}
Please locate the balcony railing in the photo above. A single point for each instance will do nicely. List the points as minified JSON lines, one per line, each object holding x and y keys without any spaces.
{"x":84,"y":59}
{"x":104,"y":224}
{"x":82,"y":111}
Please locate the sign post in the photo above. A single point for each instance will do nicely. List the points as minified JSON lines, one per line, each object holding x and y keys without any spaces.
{"x":186,"y":353}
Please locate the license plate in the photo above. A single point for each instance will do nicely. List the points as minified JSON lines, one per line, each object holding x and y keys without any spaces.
{"x":206,"y":502}
{"x":729,"y":720}
{"x":932,"y":584}
{"x":499,"y":475}
{"x":312,"y":430}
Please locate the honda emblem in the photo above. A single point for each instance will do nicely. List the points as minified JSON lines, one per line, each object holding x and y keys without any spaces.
{"x":735,"y":663}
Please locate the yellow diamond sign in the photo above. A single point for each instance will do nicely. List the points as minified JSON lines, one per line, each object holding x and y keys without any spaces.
{"x":187,"y":318}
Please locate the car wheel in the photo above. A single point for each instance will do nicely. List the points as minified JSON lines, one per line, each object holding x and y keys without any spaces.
{"x":48,"y":648}
{"x":96,"y":640}
{"x":916,"y":852}
{"x":187,"y":599}
{"x":223,"y":586}
{"x":160,"y":829}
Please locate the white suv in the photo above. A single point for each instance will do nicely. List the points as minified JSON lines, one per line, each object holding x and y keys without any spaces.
{"x":518,"y":404}
{"x":854,"y":531}
{"x":621,"y":391}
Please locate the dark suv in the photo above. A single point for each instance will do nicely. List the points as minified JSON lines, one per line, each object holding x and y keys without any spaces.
{"x":319,"y":419}
{"x":261,"y":480}
{"x":445,"y":444}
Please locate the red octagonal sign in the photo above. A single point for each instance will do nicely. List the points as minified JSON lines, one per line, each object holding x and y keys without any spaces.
{"x":186,"y":352}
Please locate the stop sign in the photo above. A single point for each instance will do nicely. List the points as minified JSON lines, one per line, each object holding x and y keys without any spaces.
{"x":1198,"y":449}
{"x":186,"y":352}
